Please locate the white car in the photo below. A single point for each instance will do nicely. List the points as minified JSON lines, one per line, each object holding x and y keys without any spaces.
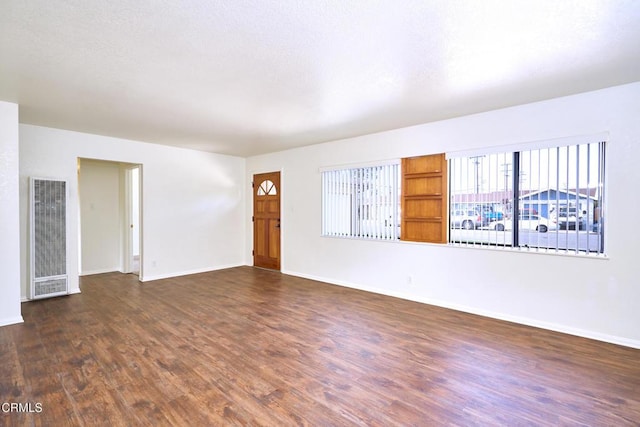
{"x":527,"y":222}
{"x":466,"y":219}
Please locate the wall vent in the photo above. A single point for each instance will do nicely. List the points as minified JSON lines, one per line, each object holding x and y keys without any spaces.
{"x":48,"y":236}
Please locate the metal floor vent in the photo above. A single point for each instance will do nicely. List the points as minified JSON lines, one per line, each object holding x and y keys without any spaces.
{"x":48,"y":238}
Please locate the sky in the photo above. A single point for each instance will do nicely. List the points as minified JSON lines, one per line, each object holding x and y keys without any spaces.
{"x":565,"y":168}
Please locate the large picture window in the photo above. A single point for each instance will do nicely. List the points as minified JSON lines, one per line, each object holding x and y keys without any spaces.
{"x":547,"y":199}
{"x":362,"y":202}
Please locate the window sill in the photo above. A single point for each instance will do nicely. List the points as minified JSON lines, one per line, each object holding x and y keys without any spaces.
{"x":492,"y":248}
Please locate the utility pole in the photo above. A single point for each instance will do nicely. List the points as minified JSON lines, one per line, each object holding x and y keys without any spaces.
{"x":476,"y":163}
{"x":506,"y":169}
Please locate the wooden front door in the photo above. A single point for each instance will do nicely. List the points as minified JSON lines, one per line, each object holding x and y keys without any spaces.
{"x":266,"y":220}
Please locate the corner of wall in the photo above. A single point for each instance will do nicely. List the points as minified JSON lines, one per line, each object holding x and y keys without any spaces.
{"x":10,"y":213}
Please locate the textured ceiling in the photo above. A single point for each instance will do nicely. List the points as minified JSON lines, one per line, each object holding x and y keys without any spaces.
{"x":245,"y":77}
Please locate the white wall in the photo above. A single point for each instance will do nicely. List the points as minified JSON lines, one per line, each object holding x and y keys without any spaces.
{"x":101,"y":207}
{"x":193,"y":202}
{"x":597,"y":298}
{"x":9,"y":219}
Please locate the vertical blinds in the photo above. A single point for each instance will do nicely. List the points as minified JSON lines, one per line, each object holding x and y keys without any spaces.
{"x":362,"y":202}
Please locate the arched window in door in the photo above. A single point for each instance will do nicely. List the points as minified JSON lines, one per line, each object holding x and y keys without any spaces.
{"x":267,"y":188}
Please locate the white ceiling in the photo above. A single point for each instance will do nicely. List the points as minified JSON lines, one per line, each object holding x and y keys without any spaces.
{"x":245,"y":77}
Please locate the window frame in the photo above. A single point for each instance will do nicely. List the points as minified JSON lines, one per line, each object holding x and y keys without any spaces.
{"x":595,"y":207}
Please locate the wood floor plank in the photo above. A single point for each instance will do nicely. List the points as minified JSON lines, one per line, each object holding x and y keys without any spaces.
{"x":246,"y":346}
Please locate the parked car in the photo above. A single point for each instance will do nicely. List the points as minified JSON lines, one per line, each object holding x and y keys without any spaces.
{"x":527,"y":222}
{"x":489,"y":215}
{"x":466,"y":219}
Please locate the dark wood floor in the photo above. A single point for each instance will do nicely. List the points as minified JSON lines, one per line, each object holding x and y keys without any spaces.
{"x":252,"y":347}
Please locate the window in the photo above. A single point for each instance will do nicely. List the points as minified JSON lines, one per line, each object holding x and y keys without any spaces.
{"x":267,"y":188}
{"x":548,"y":198}
{"x":362,"y":202}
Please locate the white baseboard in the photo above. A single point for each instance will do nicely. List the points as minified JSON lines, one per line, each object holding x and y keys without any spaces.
{"x":11,"y":321}
{"x":612,"y":339}
{"x":147,"y":278}
{"x":100,"y":271}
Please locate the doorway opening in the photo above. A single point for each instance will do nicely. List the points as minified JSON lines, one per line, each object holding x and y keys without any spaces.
{"x":110,"y":212}
{"x":131,"y":254}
